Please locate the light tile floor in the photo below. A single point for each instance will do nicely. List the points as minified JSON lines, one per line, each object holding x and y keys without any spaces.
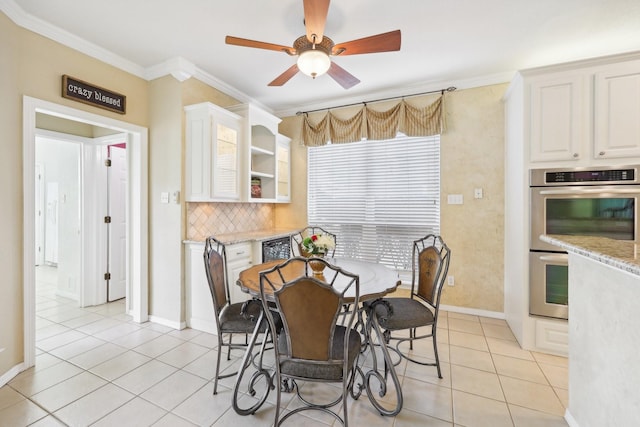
{"x":96,"y":367}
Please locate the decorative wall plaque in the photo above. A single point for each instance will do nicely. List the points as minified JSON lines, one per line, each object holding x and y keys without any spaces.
{"x":93,"y":95}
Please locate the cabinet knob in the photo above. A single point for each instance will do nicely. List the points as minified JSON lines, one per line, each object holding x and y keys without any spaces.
{"x":576,"y":155}
{"x":601,"y":153}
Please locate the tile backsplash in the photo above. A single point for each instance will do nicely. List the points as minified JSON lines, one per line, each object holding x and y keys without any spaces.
{"x":206,"y":219}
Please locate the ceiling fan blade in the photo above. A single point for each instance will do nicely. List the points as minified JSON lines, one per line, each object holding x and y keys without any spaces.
{"x":286,"y":76}
{"x":237,"y":41}
{"x":342,"y":76}
{"x":315,"y":18}
{"x":385,"y":42}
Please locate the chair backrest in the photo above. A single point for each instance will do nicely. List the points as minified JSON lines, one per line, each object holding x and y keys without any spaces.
{"x":215,"y":257}
{"x":309,"y":306}
{"x":297,"y":238}
{"x":431,"y":257}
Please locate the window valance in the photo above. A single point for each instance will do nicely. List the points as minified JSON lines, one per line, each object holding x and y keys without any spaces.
{"x":370,"y":124}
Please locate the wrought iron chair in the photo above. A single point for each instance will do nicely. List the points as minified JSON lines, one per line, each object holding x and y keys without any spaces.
{"x":297,"y":238}
{"x":313,"y":346}
{"x":431,"y":258}
{"x":238,"y":318}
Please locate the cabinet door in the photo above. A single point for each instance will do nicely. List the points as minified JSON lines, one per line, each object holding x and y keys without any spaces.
{"x":238,"y":259}
{"x":199,"y":303}
{"x":197,"y":157}
{"x":212,"y":161}
{"x":617,"y":111}
{"x":558,"y":119}
{"x":283,"y":170}
{"x":225,"y":174}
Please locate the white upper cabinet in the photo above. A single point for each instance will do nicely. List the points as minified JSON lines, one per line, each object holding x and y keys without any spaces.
{"x":584,"y":115}
{"x":558,"y":119}
{"x":213,"y":151}
{"x":617,"y":110}
{"x":235,"y":154}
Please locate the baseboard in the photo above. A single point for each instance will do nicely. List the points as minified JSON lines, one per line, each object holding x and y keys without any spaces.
{"x":11,"y":373}
{"x":166,"y":322}
{"x":569,"y":419}
{"x":473,"y":311}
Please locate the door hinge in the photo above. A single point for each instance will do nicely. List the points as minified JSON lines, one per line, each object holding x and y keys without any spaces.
{"x":107,"y":276}
{"x":107,"y":163}
{"x":107,"y":219}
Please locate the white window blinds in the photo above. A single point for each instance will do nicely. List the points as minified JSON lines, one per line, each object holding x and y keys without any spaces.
{"x":376,"y":196}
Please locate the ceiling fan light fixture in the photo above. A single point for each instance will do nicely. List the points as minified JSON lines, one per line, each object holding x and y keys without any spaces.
{"x":314,"y":62}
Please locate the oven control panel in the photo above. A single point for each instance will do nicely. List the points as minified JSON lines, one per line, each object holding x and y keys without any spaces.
{"x":591,"y":176}
{"x":583,"y":176}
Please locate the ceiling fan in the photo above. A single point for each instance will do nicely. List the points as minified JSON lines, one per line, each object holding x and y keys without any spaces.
{"x":314,"y":48}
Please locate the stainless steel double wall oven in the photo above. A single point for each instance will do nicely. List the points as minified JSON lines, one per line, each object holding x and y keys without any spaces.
{"x":582,"y":201}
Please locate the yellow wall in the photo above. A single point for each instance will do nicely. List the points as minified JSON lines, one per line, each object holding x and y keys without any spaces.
{"x":33,"y":65}
{"x":167,"y":229}
{"x":472,"y":156}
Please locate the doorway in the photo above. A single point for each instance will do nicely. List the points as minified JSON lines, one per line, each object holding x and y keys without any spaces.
{"x":78,"y":196}
{"x":136,"y":211}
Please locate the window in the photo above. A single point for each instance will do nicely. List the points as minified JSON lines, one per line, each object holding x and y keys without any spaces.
{"x":377,"y":196}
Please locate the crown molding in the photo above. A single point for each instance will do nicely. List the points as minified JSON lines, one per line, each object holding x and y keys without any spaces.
{"x":38,"y":26}
{"x":180,"y":68}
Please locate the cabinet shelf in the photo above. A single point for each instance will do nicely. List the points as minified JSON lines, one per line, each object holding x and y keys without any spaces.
{"x":258,"y":150}
{"x":261,"y":175}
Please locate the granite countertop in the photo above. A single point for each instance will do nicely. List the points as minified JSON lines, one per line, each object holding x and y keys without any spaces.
{"x":256,"y":235}
{"x":622,"y":254}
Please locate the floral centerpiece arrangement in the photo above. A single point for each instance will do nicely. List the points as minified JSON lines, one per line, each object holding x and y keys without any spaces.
{"x":318,"y":244}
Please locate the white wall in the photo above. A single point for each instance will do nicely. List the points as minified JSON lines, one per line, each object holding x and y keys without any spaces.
{"x":61,"y":165}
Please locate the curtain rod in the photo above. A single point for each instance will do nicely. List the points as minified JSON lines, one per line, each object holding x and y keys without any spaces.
{"x":442,"y":91}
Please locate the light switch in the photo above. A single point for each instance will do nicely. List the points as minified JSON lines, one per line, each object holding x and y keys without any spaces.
{"x":164,"y":197}
{"x":477,"y":193}
{"x":454,"y":199}
{"x":175,"y":197}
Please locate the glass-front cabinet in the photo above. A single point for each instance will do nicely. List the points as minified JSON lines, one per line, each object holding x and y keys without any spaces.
{"x":212,"y":163}
{"x":235,"y":154}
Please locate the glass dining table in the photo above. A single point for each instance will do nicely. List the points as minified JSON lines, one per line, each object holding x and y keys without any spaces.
{"x":255,"y":378}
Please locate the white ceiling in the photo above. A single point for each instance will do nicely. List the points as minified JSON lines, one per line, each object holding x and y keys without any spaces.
{"x":461,"y":43}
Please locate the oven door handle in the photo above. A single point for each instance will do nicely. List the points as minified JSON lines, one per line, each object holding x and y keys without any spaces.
{"x":559,"y":258}
{"x":591,"y":191}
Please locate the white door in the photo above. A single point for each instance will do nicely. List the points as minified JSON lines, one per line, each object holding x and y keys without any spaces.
{"x":117,"y":206}
{"x":51,"y":225}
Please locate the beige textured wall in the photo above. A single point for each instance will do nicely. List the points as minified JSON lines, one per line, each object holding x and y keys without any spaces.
{"x":33,"y":65}
{"x":166,"y":293}
{"x":472,"y":156}
{"x":167,"y":227}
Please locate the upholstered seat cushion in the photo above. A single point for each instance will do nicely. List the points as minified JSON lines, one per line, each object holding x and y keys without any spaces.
{"x":406,"y":313}
{"x":321,"y":370}
{"x":233,"y":320}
